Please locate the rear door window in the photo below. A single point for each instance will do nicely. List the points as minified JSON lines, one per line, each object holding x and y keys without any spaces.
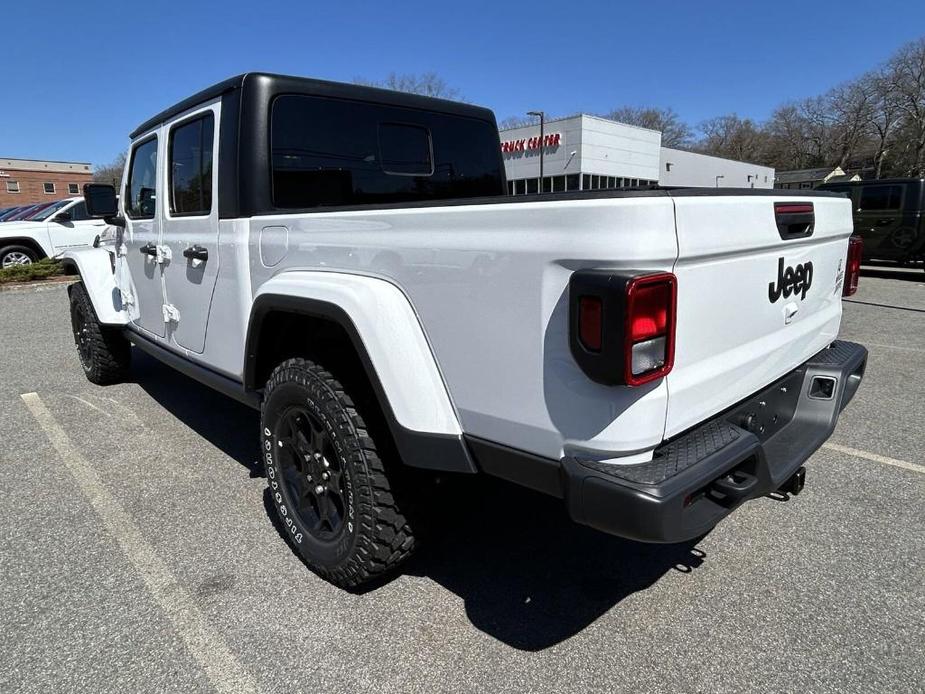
{"x":190,"y":154}
{"x":881,"y":198}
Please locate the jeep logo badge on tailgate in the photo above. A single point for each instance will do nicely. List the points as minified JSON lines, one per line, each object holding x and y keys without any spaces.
{"x":793,"y":280}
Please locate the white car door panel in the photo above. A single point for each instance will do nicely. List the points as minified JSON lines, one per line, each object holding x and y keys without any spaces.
{"x":76,"y":231}
{"x":190,"y":230}
{"x":142,"y":237}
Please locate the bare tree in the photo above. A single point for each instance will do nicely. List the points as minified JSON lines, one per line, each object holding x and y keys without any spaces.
{"x":424,"y":83}
{"x":786,"y":140}
{"x":517,"y":122}
{"x":675,"y":132}
{"x":111,"y":172}
{"x":907,"y":74}
{"x":885,"y":118}
{"x":733,"y":137}
{"x":852,"y":107}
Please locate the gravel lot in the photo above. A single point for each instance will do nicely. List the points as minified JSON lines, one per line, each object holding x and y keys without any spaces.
{"x":136,"y":553}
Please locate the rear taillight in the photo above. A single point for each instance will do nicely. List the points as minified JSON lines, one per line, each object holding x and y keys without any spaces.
{"x":649,"y":333}
{"x":853,"y":266}
{"x":623,"y":325}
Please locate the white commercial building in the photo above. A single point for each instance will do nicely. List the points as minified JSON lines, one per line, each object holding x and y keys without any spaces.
{"x":690,"y":169}
{"x":591,"y":153}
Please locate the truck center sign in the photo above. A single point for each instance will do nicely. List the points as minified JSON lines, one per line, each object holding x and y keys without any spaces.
{"x":531,"y":143}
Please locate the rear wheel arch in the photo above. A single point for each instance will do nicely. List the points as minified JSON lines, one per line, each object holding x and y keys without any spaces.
{"x":283,"y":327}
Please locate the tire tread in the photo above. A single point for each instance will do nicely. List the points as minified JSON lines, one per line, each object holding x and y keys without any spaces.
{"x":385,"y":538}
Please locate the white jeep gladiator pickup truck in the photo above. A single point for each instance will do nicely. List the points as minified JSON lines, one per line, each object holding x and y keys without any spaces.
{"x":346,"y":259}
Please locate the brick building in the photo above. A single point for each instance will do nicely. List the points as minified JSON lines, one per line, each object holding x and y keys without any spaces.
{"x":25,"y":181}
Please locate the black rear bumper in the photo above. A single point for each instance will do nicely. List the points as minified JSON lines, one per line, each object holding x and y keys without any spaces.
{"x":701,"y":476}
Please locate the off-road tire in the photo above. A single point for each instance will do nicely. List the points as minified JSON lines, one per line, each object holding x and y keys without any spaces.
{"x":376,"y":533}
{"x":104,"y":353}
{"x":29,"y":253}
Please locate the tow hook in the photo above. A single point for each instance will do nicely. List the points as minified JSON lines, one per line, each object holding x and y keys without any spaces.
{"x":796,"y":483}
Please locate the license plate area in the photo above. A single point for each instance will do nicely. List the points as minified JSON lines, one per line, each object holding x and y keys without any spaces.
{"x":770,"y":410}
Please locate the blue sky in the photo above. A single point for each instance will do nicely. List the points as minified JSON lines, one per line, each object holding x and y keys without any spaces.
{"x":80,"y":76}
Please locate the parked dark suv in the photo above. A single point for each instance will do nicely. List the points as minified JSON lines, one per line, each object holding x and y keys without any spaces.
{"x":888,"y":214}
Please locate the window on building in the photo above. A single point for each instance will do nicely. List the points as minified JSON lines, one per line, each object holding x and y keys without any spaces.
{"x":573,"y":182}
{"x":805,"y":186}
{"x":73,"y":189}
{"x":49,"y":188}
{"x":595,"y":182}
{"x":532,"y":185}
{"x":586,"y":182}
{"x":558,"y":184}
{"x":547,"y":184}
{"x":510,"y":187}
{"x":12,"y":187}
{"x":141,"y":181}
{"x":520,"y":187}
{"x":334,"y":152}
{"x":190,"y":162}
{"x":611,"y":182}
{"x":881,"y":197}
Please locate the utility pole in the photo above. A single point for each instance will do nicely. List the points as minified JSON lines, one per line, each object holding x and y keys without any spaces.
{"x":542,"y":116}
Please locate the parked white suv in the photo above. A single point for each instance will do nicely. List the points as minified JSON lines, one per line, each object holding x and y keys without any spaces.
{"x":60,"y":227}
{"x":346,"y":259}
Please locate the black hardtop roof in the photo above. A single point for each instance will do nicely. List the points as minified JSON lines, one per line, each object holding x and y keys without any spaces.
{"x":306,"y":85}
{"x":870,"y":181}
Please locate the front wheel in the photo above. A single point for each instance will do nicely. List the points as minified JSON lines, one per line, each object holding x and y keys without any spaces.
{"x":336,"y":503}
{"x":104,"y":353}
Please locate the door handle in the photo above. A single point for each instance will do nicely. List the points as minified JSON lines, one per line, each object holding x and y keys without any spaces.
{"x":196,"y":253}
{"x":149,"y":249}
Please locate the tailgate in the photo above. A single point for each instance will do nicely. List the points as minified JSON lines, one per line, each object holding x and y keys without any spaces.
{"x":754,"y":302}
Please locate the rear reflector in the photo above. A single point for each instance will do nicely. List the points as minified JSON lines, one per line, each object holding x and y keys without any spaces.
{"x":590,"y":322}
{"x":853,"y":265}
{"x":792,"y":208}
{"x":651,"y":302}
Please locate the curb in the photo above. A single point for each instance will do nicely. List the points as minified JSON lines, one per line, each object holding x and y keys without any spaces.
{"x":38,"y":286}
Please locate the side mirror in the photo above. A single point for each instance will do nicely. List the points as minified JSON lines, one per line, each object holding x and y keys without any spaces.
{"x":101,"y":200}
{"x":62,"y":217}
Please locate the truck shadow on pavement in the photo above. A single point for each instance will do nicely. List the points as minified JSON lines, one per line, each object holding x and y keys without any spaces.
{"x":230,"y":426}
{"x":527,"y":574}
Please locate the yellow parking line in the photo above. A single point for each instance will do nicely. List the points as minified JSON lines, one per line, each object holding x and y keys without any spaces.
{"x":874,"y":457}
{"x":204,"y":643}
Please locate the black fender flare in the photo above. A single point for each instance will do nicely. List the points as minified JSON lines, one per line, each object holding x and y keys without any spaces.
{"x":431,"y":451}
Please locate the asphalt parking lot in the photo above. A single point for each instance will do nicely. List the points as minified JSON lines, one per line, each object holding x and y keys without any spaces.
{"x":136,"y":553}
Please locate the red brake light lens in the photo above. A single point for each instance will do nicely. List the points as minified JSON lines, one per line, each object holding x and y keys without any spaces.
{"x":590,"y":322}
{"x":853,"y":265}
{"x":651,"y":304}
{"x":648,"y":311}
